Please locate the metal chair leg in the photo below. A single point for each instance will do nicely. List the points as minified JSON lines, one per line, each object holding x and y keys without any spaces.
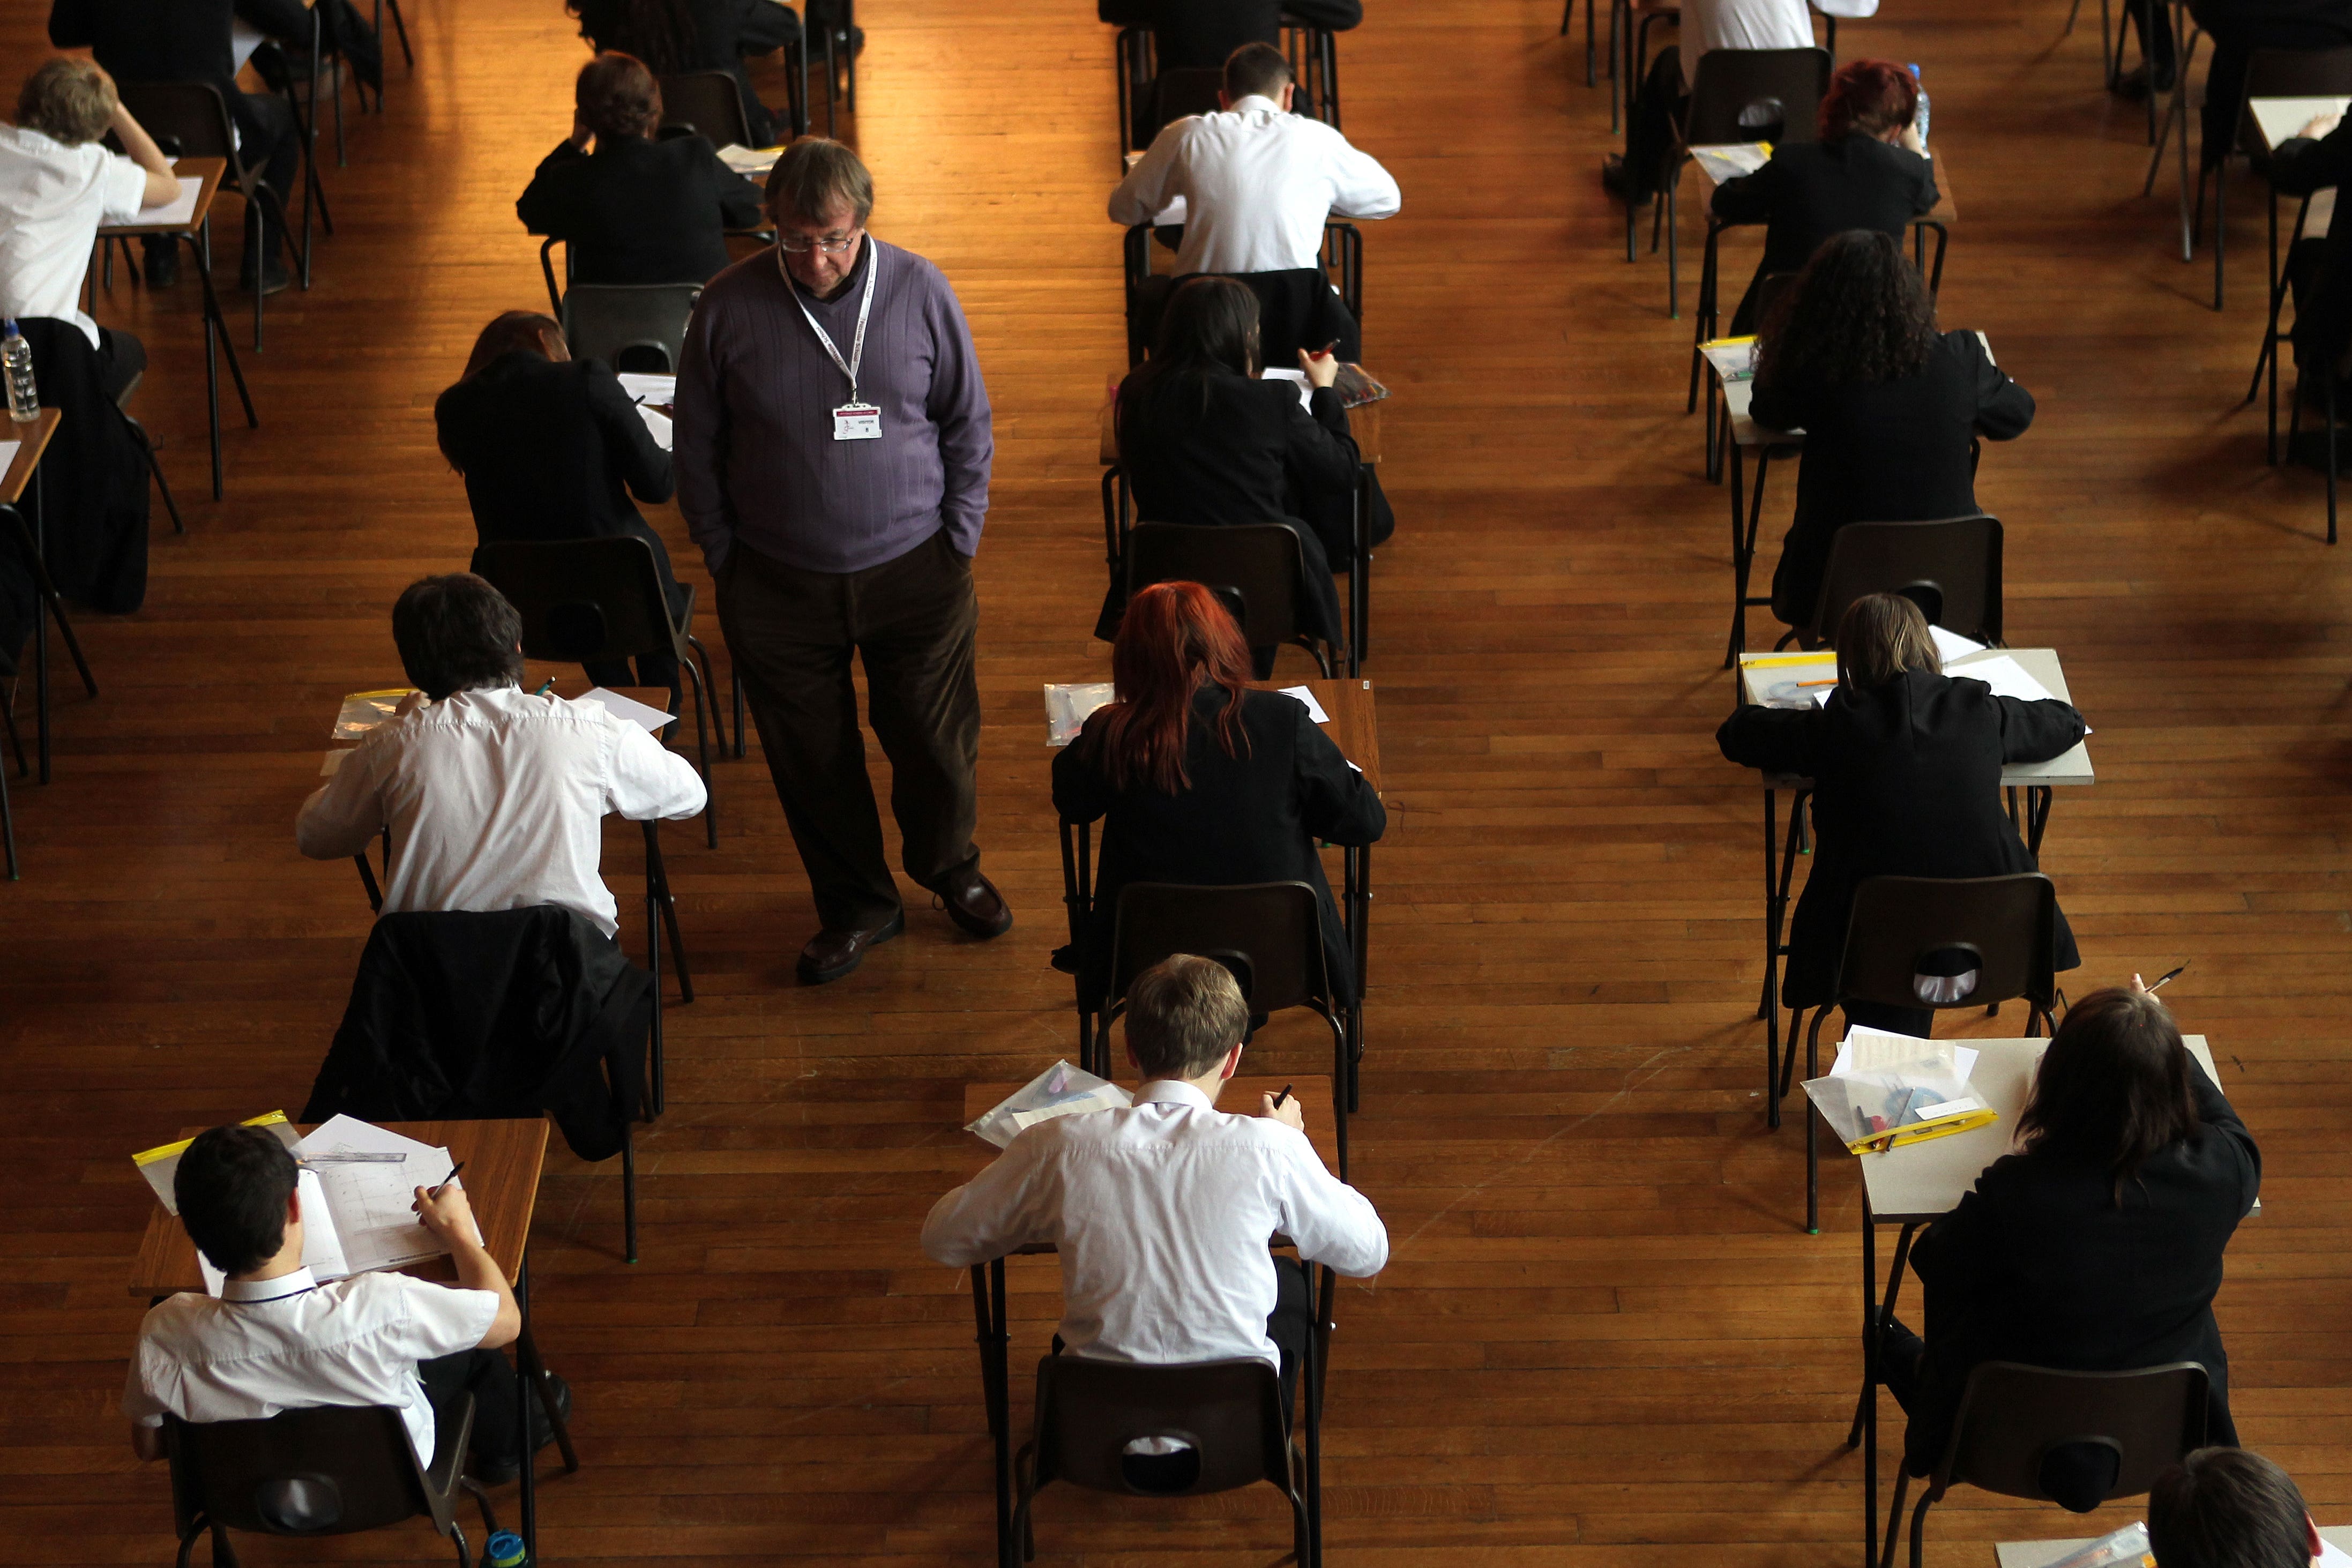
{"x":703,"y":654}
{"x":702,"y":743}
{"x":628,"y":1203}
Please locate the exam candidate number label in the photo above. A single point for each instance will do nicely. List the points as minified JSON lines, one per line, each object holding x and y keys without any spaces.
{"x":858,"y":422}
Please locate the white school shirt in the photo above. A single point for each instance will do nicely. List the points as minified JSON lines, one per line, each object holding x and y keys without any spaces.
{"x":1256,"y":184}
{"x":495,"y":800}
{"x":52,"y":199}
{"x":1162,"y":1215}
{"x":290,"y":1343}
{"x":1744,"y":25}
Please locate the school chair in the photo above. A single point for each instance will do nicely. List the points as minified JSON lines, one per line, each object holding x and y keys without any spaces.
{"x":196,"y":113}
{"x":2047,"y":1436}
{"x":590,"y":601}
{"x":1224,"y":1418}
{"x":2270,"y":73}
{"x":1725,"y":82}
{"x":629,"y":326}
{"x":1262,"y":562}
{"x":329,"y":1469}
{"x":1951,"y":569}
{"x":1902,"y":938}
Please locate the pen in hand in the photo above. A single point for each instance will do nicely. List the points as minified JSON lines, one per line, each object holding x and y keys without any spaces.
{"x":2165,"y":976}
{"x":545,"y":689}
{"x":449,"y":1178}
{"x":1285,"y":1094}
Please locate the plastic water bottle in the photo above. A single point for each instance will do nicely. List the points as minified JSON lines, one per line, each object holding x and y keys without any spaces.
{"x":16,"y":363}
{"x":1919,"y":121}
{"x":503,"y":1550}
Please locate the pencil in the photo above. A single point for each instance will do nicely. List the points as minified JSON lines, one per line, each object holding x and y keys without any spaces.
{"x":1817,"y":683}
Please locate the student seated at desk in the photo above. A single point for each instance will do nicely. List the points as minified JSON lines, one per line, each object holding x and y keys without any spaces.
{"x":1657,"y":106}
{"x":675,"y":38}
{"x":494,"y":798}
{"x":57,"y":185}
{"x":1205,"y":441}
{"x":2230,"y":1507}
{"x":636,"y":210}
{"x":1868,"y":171}
{"x":277,"y":1340}
{"x":2096,"y":1247}
{"x":2239,"y":27}
{"x":1888,"y":404}
{"x":1203,"y":781}
{"x":1198,"y":35}
{"x":1906,"y":763}
{"x":553,"y":447}
{"x":2315,"y":159}
{"x":1161,"y":1213}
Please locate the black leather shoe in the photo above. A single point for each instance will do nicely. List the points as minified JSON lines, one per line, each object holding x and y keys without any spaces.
{"x":830,"y":955}
{"x":975,"y":905}
{"x":270,"y":277}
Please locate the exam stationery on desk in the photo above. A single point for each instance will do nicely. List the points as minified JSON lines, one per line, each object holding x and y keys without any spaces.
{"x":643,"y":387}
{"x":1067,"y":709}
{"x":1895,"y":1089}
{"x":1734,"y":359}
{"x":159,"y":1164}
{"x":645,"y":717}
{"x":1060,"y":1090}
{"x":2126,"y":1548}
{"x":1732,"y":159}
{"x":752,"y":163}
{"x":363,"y":711}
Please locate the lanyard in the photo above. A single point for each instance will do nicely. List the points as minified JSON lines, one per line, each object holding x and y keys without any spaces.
{"x":857,"y":345}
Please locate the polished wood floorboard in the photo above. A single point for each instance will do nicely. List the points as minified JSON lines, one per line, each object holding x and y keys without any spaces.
{"x":1605,"y":1338}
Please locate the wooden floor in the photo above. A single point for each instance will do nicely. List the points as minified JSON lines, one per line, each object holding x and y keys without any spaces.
{"x":1604,"y":1338}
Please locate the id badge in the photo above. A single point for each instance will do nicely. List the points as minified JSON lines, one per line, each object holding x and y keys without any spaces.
{"x":858,"y":422}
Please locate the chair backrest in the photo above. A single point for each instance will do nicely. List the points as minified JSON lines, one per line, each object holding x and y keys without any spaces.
{"x":2012,"y":1418}
{"x":1951,"y":569}
{"x":709,"y":103}
{"x":1769,"y":289}
{"x":630,"y":325}
{"x":1228,"y":1413}
{"x":582,"y":600}
{"x":328,"y":1471}
{"x":1260,"y":560}
{"x":1729,"y":80}
{"x":2290,"y":73}
{"x":1177,"y":94}
{"x":1277,"y":927}
{"x":192,"y":111}
{"x":1981,"y":939}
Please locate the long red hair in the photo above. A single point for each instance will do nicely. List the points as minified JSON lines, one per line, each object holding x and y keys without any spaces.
{"x":1177,"y":638}
{"x":1874,"y":96}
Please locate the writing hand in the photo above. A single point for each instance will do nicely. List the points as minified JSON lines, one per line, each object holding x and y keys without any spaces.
{"x":1287,"y":1113}
{"x":1321,"y":369}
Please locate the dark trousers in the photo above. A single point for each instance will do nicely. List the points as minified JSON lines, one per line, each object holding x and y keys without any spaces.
{"x":489,"y":1377}
{"x":911,"y":621}
{"x":2153,"y":18}
{"x":270,"y":149}
{"x":1650,"y":118}
{"x":122,"y":359}
{"x":2235,"y":43}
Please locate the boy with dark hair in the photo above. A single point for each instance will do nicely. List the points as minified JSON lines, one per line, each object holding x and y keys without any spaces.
{"x":2229,"y":1508}
{"x":277,"y":1339}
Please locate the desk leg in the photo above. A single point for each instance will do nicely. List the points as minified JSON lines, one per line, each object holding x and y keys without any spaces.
{"x":995,"y":1387}
{"x":1877,"y":1311}
{"x":2039,"y":799}
{"x":1312,"y":1378}
{"x":218,"y":341}
{"x":1739,"y":558}
{"x":1360,"y":573}
{"x":529,"y":1503}
{"x":40,"y":629}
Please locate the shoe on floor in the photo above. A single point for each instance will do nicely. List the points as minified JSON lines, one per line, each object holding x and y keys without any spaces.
{"x":497,"y":1472}
{"x":830,"y":955}
{"x":275,"y":278}
{"x":975,"y":905}
{"x":1619,"y":184}
{"x":163,"y":267}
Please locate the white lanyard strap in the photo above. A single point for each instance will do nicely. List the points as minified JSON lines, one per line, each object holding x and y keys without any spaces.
{"x":865,"y":306}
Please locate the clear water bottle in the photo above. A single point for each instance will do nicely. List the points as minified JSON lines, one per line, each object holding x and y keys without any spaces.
{"x":1919,"y":121}
{"x":16,"y":363}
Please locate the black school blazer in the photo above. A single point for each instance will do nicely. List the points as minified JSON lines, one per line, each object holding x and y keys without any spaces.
{"x":1248,"y":818}
{"x":1808,"y":191}
{"x":1887,"y":451}
{"x":638,"y":211}
{"x":1906,"y":782}
{"x":2038,"y":1265}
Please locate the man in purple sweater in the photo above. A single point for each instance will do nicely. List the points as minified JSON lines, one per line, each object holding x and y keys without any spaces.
{"x":833,"y":450}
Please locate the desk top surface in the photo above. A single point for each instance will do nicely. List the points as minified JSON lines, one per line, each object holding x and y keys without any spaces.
{"x":211,"y":171}
{"x":1354,"y":727}
{"x":1240,"y":1097}
{"x":2281,"y":119}
{"x":1758,"y":672}
{"x":502,"y":1161}
{"x":32,"y":439}
{"x":2039,"y":1553}
{"x":1921,"y":1181}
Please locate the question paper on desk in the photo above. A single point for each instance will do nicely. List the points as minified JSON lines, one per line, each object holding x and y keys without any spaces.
{"x":374,"y":1204}
{"x":2005,"y":676}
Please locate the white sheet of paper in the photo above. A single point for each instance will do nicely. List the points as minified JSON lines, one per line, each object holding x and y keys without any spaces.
{"x":1950,"y":646}
{"x":1732,"y":159}
{"x":752,"y":163}
{"x":657,"y":422}
{"x":649,"y":389}
{"x":182,"y":210}
{"x":650,"y":720}
{"x":1314,"y":709}
{"x":8,"y":454}
{"x":372,"y":1203}
{"x":244,"y":38}
{"x":1306,"y":393}
{"x":1865,"y":1050}
{"x":2329,"y":1553}
{"x":2005,"y":676}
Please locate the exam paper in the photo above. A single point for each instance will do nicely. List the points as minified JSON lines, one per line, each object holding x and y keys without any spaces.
{"x":661,"y":390}
{"x":649,"y":720}
{"x":1060,"y":1090}
{"x":179,"y":212}
{"x":1306,"y":393}
{"x":1732,"y":159}
{"x":1950,"y":646}
{"x":657,"y":422}
{"x":2005,"y":676}
{"x":1865,"y":1050}
{"x":8,"y":455}
{"x":752,"y":163}
{"x":1314,"y":709}
{"x":374,"y":1204}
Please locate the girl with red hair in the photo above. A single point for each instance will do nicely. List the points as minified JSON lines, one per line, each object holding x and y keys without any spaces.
{"x":1869,"y":170}
{"x":1199,"y":779}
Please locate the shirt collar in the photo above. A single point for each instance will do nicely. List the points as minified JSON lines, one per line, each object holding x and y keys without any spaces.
{"x":1251,"y":103}
{"x":284,"y":1285}
{"x":1173,"y":1092}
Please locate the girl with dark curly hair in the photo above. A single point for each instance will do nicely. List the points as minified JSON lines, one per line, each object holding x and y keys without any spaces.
{"x":1850,"y":355}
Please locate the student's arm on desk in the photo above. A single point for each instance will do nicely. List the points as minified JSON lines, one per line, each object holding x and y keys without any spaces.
{"x":2004,"y":409}
{"x":1334,"y":801}
{"x":160,"y":187}
{"x":649,"y":779}
{"x":1777,"y":740}
{"x":741,"y":204}
{"x":1081,"y":793}
{"x":1360,"y":186}
{"x":2300,"y":165}
{"x":2222,"y":1120}
{"x":1318,"y":455}
{"x":343,"y":815}
{"x":1329,"y":1222}
{"x":1139,"y":198}
{"x":2035,"y":731}
{"x":1749,"y":198}
{"x":1957,"y":1257}
{"x":635,"y":456}
{"x":438,"y":1319}
{"x":1007,"y":1207}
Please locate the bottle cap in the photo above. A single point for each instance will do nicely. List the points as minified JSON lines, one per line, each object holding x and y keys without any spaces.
{"x":1914,"y":70}
{"x":504,"y":1549}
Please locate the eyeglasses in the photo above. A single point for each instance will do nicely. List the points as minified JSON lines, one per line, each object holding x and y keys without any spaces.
{"x":796,"y":247}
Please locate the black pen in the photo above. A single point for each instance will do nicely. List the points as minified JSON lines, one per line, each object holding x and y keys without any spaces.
{"x":1282,"y":1096}
{"x":2165,"y":976}
{"x":447,"y":1179}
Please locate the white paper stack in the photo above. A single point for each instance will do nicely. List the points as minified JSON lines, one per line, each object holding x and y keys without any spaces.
{"x":649,"y":720}
{"x":1306,"y":695}
{"x":2005,"y":676}
{"x":1060,"y":1090}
